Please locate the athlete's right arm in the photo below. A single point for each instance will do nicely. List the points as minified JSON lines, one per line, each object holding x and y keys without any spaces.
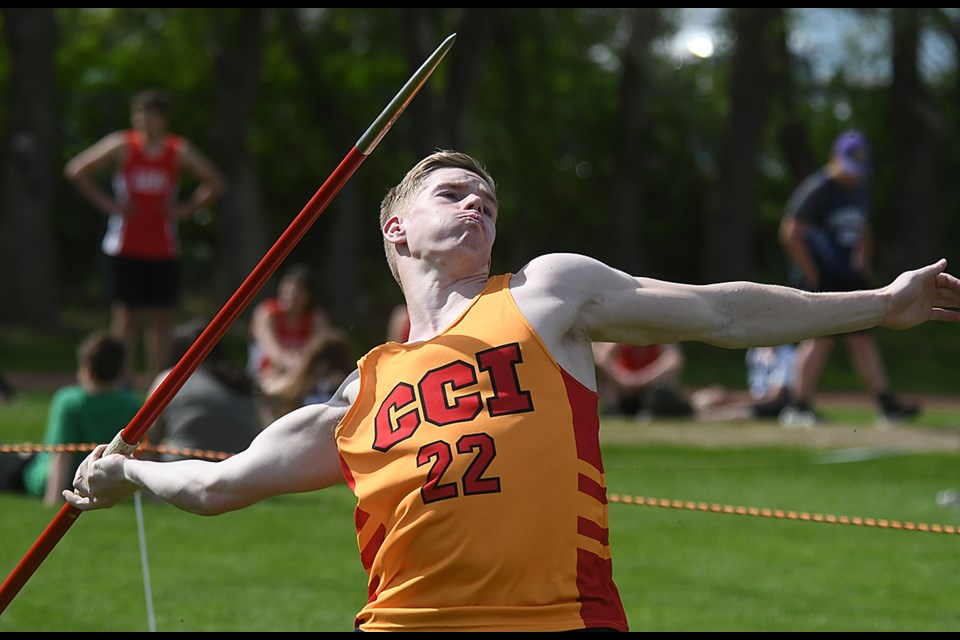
{"x":82,"y":169}
{"x":294,"y":454}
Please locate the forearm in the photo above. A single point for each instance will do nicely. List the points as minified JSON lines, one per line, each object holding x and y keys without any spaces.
{"x":190,"y":485}
{"x":95,"y":195}
{"x":750,"y":314}
{"x":204,"y":195}
{"x":654,"y":373}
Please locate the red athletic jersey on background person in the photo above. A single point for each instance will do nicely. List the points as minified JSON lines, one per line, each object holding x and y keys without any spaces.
{"x":291,"y":335}
{"x":149,"y":184}
{"x":634,"y":358}
{"x":481,"y":495}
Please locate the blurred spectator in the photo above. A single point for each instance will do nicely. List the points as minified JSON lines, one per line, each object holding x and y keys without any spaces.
{"x":641,"y":381}
{"x":769,"y":381}
{"x":770,"y":378}
{"x":326,"y":364}
{"x":7,"y":392}
{"x":948,"y":498}
{"x":214,"y":410}
{"x":283,"y":332}
{"x":826,"y":233}
{"x":92,"y":411}
{"x":398,"y":325}
{"x":143,"y":210}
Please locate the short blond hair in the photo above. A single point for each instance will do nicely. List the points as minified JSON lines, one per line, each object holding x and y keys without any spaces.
{"x":400,"y":197}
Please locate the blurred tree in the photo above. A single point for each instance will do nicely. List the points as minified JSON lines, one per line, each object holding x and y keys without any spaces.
{"x":603,"y":140}
{"x":630,"y":142}
{"x":312,"y":43}
{"x":792,"y":126}
{"x":731,"y":227}
{"x":918,"y":132}
{"x":465,"y":74}
{"x":947,"y":23}
{"x":237,"y":42}
{"x":787,"y":149}
{"x":28,"y":171}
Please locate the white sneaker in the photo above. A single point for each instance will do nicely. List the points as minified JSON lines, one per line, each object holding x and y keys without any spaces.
{"x":793,"y":418}
{"x":948,"y":498}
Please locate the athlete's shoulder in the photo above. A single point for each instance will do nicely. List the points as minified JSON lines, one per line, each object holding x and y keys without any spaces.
{"x":176,"y":143}
{"x":563,"y":270}
{"x":559,"y":265}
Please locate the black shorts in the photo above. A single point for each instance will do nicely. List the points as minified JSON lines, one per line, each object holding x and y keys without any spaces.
{"x":845,"y":281}
{"x":770,"y":408}
{"x":832,"y":281}
{"x":12,"y":466}
{"x":143,"y":283}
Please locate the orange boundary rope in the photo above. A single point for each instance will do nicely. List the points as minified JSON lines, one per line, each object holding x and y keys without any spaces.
{"x":145,"y":446}
{"x":786,"y":515}
{"x":880,"y":523}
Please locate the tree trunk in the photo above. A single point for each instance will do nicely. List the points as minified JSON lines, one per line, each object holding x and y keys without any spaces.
{"x":343,"y":293}
{"x":793,"y":142}
{"x":241,"y":224}
{"x":420,"y":39}
{"x":916,"y":224}
{"x":793,"y":134}
{"x":465,"y":74}
{"x":29,"y":172}
{"x":731,"y":229}
{"x":633,"y":120}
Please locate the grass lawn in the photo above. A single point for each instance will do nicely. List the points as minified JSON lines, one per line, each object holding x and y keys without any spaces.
{"x":683,"y":570}
{"x":291,"y":563}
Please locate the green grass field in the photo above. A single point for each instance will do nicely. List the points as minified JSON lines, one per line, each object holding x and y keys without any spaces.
{"x":291,"y":563}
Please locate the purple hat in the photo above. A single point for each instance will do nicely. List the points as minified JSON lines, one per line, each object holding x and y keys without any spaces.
{"x":853,"y":152}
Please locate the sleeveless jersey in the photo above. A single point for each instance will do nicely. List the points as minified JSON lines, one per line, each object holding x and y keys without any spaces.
{"x":291,"y":335}
{"x":635,"y":358}
{"x":481,"y":496}
{"x":150,"y":184}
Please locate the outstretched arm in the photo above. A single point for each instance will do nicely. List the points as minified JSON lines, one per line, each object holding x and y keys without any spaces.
{"x":294,"y":454}
{"x":589,"y":299}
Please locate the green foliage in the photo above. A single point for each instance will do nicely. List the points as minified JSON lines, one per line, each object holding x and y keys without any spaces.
{"x":543,"y":117}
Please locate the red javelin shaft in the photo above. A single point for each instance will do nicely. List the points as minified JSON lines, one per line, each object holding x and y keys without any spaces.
{"x":129,"y":438}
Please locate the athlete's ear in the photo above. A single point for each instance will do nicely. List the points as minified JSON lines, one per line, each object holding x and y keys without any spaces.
{"x":393,"y":230}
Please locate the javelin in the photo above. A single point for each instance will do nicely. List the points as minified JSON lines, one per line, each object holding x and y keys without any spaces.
{"x":128,"y":439}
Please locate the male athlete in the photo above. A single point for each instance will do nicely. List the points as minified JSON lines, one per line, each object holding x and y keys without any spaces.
{"x":144,"y":209}
{"x":473,"y":448}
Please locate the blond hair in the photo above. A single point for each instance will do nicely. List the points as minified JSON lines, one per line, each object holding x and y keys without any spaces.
{"x":400,"y":197}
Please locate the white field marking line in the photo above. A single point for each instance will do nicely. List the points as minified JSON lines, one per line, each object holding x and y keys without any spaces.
{"x":151,"y":620}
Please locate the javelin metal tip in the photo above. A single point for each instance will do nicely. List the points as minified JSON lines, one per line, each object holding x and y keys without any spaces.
{"x":388,"y":116}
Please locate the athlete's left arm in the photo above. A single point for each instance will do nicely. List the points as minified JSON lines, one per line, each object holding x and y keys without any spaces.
{"x":211,"y":187}
{"x":607,"y":304}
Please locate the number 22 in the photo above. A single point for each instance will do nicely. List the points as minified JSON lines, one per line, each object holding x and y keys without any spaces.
{"x":439,"y":455}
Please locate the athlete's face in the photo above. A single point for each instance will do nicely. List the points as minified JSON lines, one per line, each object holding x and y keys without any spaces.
{"x":454,"y":211}
{"x":293,"y":294}
{"x":150,"y":121}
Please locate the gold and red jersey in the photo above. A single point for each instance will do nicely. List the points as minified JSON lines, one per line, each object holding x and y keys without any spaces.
{"x":481,"y":497}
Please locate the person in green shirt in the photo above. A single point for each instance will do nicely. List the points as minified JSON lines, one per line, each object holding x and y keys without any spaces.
{"x":91,"y":411}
